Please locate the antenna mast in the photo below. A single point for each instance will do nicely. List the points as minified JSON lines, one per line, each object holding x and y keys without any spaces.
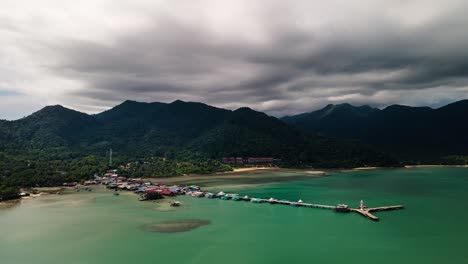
{"x":110,"y":157}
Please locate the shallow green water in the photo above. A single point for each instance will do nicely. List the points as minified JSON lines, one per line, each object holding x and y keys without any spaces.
{"x":99,"y":227}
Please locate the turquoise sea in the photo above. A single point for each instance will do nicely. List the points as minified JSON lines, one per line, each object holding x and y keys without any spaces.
{"x":98,"y":227}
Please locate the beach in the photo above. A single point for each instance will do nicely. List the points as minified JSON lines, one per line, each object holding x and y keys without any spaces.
{"x":241,"y":178}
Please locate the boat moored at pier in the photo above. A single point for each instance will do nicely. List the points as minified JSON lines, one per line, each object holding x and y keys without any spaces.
{"x":272,"y":200}
{"x":342,"y":208}
{"x":255,"y":200}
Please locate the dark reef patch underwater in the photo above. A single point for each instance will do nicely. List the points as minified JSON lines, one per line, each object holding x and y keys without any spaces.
{"x":175,"y":226}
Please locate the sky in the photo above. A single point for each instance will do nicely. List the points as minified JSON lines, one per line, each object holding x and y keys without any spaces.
{"x":279,"y":57}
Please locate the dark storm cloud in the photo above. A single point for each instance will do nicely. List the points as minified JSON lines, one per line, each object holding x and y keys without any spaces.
{"x":176,"y":60}
{"x":270,"y":56}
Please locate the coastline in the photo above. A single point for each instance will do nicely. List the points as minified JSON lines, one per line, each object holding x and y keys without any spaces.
{"x":86,"y":220}
{"x":251,"y":169}
{"x":367,"y":168}
{"x":241,"y":177}
{"x":238,"y":178}
{"x":41,"y":191}
{"x":10,"y":203}
{"x":434,"y":166}
{"x":360,"y":169}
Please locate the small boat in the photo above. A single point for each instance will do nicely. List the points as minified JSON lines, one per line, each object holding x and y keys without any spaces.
{"x":116,"y":193}
{"x":225,"y":197}
{"x":272,"y":201}
{"x":198,"y":194}
{"x":342,"y":208}
{"x":194,"y":187}
{"x":236,"y":198}
{"x":175,"y":203}
{"x":246,"y":198}
{"x":298,"y":203}
{"x":255,"y":200}
{"x":210,"y":195}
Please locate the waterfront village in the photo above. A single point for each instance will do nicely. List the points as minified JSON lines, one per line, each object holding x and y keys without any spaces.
{"x":147,"y":190}
{"x":150,"y":191}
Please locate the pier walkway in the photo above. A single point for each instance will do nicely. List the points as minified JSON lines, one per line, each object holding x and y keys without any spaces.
{"x":367,"y":212}
{"x":362,"y":209}
{"x":296,"y":203}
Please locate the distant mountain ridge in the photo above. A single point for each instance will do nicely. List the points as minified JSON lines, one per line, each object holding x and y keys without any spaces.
{"x":415,"y":133}
{"x":180,"y":130}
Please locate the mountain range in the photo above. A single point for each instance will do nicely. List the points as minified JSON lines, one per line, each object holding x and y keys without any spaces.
{"x":336,"y":136}
{"x":180,"y":130}
{"x":414,"y":134}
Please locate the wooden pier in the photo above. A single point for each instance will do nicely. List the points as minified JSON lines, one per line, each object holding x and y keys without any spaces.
{"x":275,"y":201}
{"x":367,"y":212}
{"x":362,"y":209}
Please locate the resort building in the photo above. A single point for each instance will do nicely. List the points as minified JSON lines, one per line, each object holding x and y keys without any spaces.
{"x":250,"y":160}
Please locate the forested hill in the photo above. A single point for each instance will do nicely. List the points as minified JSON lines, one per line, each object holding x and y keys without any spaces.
{"x":178,"y":130}
{"x":418,"y":134}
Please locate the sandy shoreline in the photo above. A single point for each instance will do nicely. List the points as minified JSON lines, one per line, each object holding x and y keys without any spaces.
{"x":250,"y":169}
{"x":241,"y":178}
{"x":435,"y":166}
{"x":367,"y":168}
{"x":40,"y":191}
{"x":241,"y":173}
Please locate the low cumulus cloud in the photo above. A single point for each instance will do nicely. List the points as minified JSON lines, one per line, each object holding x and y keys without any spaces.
{"x":274,"y":56}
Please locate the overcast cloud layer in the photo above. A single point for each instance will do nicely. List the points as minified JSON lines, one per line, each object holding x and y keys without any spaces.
{"x":281,"y":57}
